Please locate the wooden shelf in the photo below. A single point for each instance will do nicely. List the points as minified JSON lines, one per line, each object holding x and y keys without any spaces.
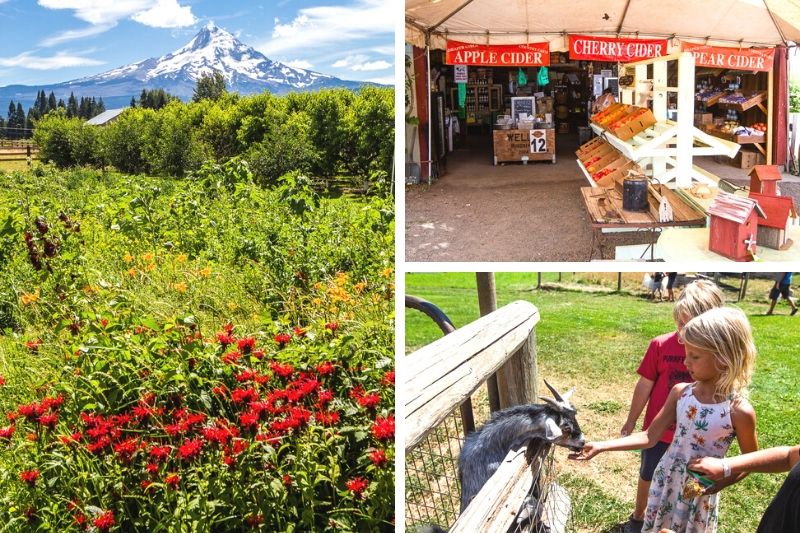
{"x":747,"y":104}
{"x":738,"y":139}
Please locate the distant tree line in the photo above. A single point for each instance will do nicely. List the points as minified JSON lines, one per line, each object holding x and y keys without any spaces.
{"x":332,"y":132}
{"x":153,"y":99}
{"x":19,"y":125}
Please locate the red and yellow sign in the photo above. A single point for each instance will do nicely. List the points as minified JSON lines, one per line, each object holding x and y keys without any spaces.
{"x":740,"y":59}
{"x":612,"y":49}
{"x":506,"y":55}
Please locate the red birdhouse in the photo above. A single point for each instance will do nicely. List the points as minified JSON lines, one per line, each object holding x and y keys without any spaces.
{"x":733,"y":229}
{"x":772,"y":227}
{"x":764,"y":179}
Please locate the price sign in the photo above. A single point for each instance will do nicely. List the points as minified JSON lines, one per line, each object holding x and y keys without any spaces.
{"x":460,"y":72}
{"x":538,"y":141}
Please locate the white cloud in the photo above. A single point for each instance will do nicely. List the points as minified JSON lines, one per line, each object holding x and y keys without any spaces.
{"x":328,"y":25}
{"x":70,"y":35}
{"x":156,"y":13}
{"x":384,"y":80}
{"x":299,"y":63}
{"x":166,"y":14}
{"x":60,"y":60}
{"x":360,"y":62}
{"x":372,"y":65}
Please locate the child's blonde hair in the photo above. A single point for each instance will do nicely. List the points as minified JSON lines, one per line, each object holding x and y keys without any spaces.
{"x":697,"y":297}
{"x":726,"y":333}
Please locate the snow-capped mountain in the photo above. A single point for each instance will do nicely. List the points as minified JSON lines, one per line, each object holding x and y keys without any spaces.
{"x":245,"y":71}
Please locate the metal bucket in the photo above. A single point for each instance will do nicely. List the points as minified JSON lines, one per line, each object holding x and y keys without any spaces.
{"x":634,"y":194}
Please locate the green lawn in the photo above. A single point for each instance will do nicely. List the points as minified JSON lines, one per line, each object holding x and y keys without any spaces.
{"x":595,"y":341}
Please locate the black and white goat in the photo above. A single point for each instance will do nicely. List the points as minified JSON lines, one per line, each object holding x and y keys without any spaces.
{"x":537,"y":426}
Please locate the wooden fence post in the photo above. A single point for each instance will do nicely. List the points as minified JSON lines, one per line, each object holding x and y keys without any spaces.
{"x":517,"y":380}
{"x":487,"y":303}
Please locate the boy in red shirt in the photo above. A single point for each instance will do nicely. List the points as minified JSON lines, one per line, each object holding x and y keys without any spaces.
{"x":662,"y":368}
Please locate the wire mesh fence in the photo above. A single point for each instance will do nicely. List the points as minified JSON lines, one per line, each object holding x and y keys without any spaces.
{"x":433,"y":491}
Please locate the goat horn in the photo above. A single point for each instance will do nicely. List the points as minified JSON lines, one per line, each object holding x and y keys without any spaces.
{"x":552,"y":402}
{"x":556,"y":395}
{"x":568,"y":394}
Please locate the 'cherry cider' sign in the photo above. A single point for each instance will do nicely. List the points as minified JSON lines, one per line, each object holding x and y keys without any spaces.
{"x":505,"y":55}
{"x":613,"y":49}
{"x":753,"y":59}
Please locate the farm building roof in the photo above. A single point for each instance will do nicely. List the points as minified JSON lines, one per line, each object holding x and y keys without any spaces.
{"x":733,"y":208}
{"x":776,"y":208}
{"x":106,"y":116}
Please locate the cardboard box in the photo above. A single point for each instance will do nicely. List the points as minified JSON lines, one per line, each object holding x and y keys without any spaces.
{"x":748,"y":159}
{"x":701,"y":119}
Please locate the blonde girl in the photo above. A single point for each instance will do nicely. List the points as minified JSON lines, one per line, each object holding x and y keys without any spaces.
{"x":708,"y":414}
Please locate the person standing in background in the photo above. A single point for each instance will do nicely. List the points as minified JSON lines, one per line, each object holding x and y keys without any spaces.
{"x":783,"y":287}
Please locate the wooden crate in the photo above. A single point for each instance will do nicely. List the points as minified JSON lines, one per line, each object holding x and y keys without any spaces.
{"x":600,"y":150}
{"x":589,"y":146}
{"x":635,"y":126}
{"x":613,"y":108}
{"x":514,"y":146}
{"x":747,"y":104}
{"x":622,"y":165}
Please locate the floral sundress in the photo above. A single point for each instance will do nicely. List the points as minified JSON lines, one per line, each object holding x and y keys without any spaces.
{"x":701,"y":430}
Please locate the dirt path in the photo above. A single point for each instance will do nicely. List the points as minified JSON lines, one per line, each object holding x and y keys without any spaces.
{"x":534,"y":212}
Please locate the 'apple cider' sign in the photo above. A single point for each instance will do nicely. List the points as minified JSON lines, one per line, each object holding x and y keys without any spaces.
{"x":753,"y":59}
{"x":506,"y":55}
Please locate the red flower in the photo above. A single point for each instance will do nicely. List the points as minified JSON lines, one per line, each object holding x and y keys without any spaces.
{"x":145,"y":483}
{"x":323,"y":369}
{"x":126,"y":449}
{"x":152,"y":468}
{"x":378,"y":457}
{"x":383,"y":428}
{"x":33,"y":345}
{"x":220,"y":390}
{"x":231,"y":358}
{"x":325,"y":395}
{"x":79,"y":519}
{"x":287,"y":480}
{"x":225,"y":339}
{"x":332,"y":326}
{"x":29,"y":476}
{"x":370,"y":401}
{"x":299,"y":332}
{"x":104,"y":521}
{"x":329,"y":418}
{"x":49,"y":421}
{"x":258,"y":354}
{"x":356,"y":392}
{"x":192,"y":448}
{"x":283,"y":370}
{"x":388,"y":378}
{"x":7,"y":433}
{"x":248,"y":419}
{"x":357,"y":485}
{"x":246,"y":345}
{"x":254,"y":520}
{"x":172,"y":480}
{"x":283,"y":339}
{"x":2,"y":381}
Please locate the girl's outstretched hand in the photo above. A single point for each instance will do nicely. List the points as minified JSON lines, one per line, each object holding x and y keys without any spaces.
{"x":590,"y":449}
{"x":711,"y":467}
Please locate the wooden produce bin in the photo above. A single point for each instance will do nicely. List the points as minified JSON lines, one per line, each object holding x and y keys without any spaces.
{"x":624,"y":129}
{"x":515,"y":146}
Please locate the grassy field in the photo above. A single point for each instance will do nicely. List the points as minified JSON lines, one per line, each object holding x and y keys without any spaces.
{"x":593,"y":338}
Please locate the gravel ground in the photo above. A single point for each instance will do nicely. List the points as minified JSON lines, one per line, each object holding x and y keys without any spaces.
{"x":479,"y":212}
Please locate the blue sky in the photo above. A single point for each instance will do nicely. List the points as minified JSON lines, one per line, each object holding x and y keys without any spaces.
{"x":49,"y":41}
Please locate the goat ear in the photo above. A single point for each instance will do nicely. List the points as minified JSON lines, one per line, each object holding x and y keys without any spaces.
{"x":551,"y":429}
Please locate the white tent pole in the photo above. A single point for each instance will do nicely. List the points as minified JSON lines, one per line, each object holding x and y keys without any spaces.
{"x":430,"y":115}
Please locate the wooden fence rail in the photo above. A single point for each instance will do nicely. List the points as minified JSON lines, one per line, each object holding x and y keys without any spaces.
{"x":446,"y":372}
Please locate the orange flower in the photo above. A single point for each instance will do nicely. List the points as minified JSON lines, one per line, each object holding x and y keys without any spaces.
{"x":128,"y":258}
{"x":691,"y":412}
{"x":29,"y":298}
{"x":181,"y":258}
{"x":132,"y":272}
{"x":360,"y":286}
{"x":148,"y":257}
{"x":387,"y":272}
{"x":180,"y":287}
{"x":150,"y":267}
{"x":205,"y":272}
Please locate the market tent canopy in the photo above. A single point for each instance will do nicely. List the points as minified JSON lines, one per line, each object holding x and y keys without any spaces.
{"x":719,"y":22}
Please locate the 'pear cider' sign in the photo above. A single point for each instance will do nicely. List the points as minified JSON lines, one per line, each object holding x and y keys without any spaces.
{"x":505,"y":55}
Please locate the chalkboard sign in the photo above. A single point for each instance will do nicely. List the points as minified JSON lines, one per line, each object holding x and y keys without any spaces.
{"x":613,"y":84}
{"x":523,"y":104}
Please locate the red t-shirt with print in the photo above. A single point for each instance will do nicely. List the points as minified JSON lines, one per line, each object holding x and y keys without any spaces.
{"x":664,"y":365}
